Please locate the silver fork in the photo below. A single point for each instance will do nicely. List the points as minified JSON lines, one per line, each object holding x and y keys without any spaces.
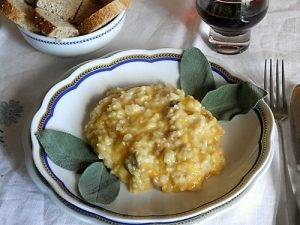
{"x":278,"y":104}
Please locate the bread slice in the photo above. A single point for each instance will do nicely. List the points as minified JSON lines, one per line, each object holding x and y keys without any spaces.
{"x":53,"y":26}
{"x":87,"y":8}
{"x":20,"y":13}
{"x":66,"y":9}
{"x":103,"y":16}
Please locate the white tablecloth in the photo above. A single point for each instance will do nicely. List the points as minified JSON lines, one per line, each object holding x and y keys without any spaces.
{"x":26,"y":74}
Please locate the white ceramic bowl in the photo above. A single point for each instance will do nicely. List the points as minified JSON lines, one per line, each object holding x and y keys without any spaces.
{"x":75,"y":46}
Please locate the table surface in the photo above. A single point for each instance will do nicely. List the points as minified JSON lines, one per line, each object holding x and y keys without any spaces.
{"x":26,"y":75}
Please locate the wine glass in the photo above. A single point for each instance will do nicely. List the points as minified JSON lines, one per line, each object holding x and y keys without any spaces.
{"x":230,"y":22}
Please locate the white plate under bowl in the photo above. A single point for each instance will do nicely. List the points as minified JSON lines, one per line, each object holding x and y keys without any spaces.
{"x":67,"y":105}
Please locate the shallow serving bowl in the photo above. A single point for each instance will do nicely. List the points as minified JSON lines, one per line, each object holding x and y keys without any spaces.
{"x":75,"y":46}
{"x":66,"y":108}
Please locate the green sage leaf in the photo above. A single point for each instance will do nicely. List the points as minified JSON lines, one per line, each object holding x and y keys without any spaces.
{"x":196,"y":78}
{"x":66,"y":150}
{"x":97,"y":186}
{"x":233,"y":99}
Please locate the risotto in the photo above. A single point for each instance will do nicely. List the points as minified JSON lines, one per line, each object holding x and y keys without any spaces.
{"x":156,"y":137}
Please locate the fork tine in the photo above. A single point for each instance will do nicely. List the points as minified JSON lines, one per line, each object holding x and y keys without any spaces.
{"x":271,"y":86}
{"x":283,"y":86}
{"x":277,"y":85}
{"x":267,"y":99}
{"x":265,"y":76}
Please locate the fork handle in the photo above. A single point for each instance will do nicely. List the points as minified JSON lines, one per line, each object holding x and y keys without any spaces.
{"x":287,"y":207}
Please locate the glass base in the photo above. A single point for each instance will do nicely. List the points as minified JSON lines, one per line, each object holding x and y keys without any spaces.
{"x":225,"y":43}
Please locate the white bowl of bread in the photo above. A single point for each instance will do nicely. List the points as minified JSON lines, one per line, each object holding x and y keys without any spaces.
{"x":67,"y":27}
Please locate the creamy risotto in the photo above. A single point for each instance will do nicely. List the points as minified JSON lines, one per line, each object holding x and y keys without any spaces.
{"x":156,"y":136}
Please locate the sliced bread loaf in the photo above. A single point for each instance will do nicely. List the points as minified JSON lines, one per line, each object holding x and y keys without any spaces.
{"x":66,"y":9}
{"x":53,"y":26}
{"x":103,"y":16}
{"x":20,"y":13}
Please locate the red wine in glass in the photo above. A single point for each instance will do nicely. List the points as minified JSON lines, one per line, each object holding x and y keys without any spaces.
{"x":230,"y":22}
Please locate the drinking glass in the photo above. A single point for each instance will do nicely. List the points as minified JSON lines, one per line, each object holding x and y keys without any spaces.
{"x":230,"y":22}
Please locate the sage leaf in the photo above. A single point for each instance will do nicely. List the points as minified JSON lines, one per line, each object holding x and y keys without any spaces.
{"x":233,"y":99}
{"x":196,"y":78}
{"x":66,"y":150}
{"x":97,"y":186}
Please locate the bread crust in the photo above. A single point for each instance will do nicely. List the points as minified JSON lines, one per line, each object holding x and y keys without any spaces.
{"x":87,"y":8}
{"x":20,"y":13}
{"x":53,"y":26}
{"x":103,"y":16}
{"x":45,"y":26}
{"x":10,"y":11}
